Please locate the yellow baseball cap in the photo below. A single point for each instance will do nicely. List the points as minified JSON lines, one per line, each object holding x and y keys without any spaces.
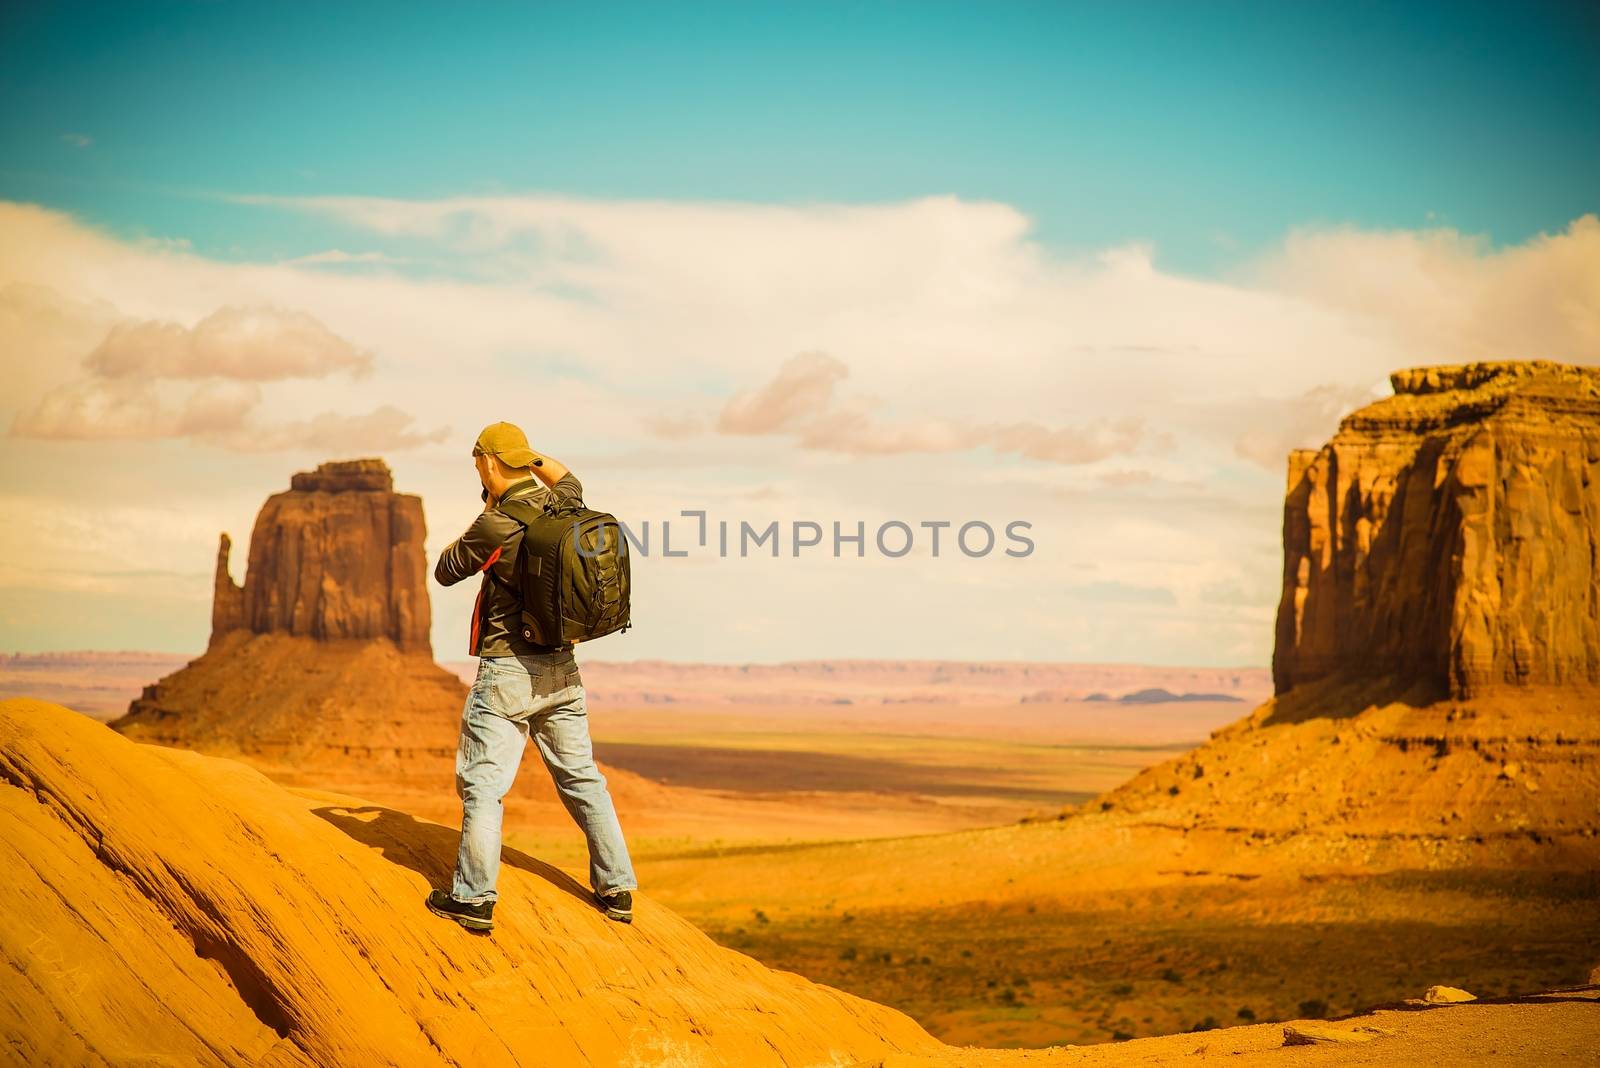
{"x":507,"y":441}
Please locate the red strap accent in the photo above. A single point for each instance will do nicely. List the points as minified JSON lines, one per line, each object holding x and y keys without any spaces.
{"x":477,"y":604}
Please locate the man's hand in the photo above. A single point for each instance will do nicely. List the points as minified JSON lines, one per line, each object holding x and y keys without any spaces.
{"x":548,"y":470}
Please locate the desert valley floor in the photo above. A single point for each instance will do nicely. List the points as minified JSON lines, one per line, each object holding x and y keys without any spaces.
{"x":905,"y":847}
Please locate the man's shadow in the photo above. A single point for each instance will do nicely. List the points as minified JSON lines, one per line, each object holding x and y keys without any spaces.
{"x":429,"y":849}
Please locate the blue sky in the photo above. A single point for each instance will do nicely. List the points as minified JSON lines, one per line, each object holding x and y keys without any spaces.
{"x":1097,"y":267}
{"x":1205,"y":129}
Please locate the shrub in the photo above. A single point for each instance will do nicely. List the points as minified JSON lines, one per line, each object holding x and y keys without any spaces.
{"x":1314,"y":1009}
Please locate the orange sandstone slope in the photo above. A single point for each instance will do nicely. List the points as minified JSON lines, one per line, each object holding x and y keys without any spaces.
{"x":165,"y":905}
{"x":1353,"y":771}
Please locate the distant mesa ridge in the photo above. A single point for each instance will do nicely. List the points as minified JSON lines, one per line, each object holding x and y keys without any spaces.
{"x":338,"y":555}
{"x":1448,"y":534}
{"x":1159,"y":696}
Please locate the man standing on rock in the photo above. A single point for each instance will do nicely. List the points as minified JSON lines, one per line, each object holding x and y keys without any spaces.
{"x":522,"y":690}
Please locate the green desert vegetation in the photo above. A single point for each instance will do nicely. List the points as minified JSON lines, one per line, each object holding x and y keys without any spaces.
{"x":1188,"y":958}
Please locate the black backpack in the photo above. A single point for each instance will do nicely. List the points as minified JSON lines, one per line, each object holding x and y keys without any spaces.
{"x":572,"y":572}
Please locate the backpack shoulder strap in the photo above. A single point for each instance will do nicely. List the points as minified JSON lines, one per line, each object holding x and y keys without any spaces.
{"x":521,"y":510}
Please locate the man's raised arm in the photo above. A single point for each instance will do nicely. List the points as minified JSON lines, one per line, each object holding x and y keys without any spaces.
{"x":475,"y":550}
{"x":563,"y":484}
{"x":548,"y":469}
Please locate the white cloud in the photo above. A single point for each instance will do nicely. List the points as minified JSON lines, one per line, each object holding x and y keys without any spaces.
{"x":154,"y":379}
{"x":1447,"y":297}
{"x":801,"y":391}
{"x":339,"y":257}
{"x":801,"y":400}
{"x":1271,"y":431}
{"x":1137,"y":417}
{"x":221,"y":414}
{"x":383,"y":430}
{"x":246,"y":343}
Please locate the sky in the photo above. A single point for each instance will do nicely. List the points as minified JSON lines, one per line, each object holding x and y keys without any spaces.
{"x":1091,"y":268}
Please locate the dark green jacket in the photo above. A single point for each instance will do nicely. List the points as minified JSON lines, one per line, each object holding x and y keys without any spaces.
{"x":490,"y":545}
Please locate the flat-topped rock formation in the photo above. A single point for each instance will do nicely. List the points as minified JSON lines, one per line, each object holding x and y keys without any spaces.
{"x":1448,"y":534}
{"x":319,"y":670}
{"x":1438,"y":643}
{"x":325,"y":646}
{"x":338,"y":555}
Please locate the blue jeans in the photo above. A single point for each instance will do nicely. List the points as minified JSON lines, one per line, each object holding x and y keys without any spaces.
{"x":503,"y":708}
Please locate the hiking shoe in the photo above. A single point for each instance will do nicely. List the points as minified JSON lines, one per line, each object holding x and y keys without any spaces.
{"x":617,"y":905}
{"x":475,"y":917}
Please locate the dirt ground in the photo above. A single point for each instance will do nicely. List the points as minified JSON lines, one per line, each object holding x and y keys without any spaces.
{"x":1555,"y":1028}
{"x":905,"y":848}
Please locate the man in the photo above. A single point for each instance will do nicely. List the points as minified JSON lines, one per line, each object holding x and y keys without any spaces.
{"x":522,"y":690}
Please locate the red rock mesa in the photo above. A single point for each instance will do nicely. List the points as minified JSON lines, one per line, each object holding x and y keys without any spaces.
{"x":319,"y":670}
{"x":1448,"y":534}
{"x":1438,"y":636}
{"x":338,"y":555}
{"x":323,"y":654}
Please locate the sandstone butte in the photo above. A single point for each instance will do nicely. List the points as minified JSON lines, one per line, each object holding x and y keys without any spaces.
{"x":319,"y":669}
{"x":175,"y":907}
{"x":339,"y":555}
{"x":1449,"y":534}
{"x":1437,"y":656}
